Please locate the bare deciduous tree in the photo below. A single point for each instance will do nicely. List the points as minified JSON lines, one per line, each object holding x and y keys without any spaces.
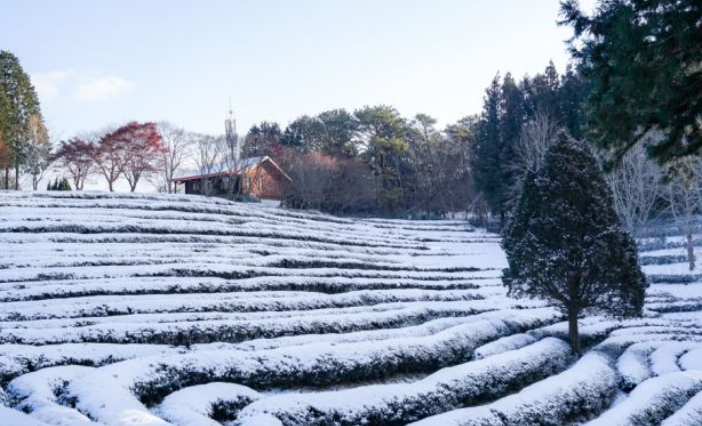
{"x":178,"y":150}
{"x":536,"y":137}
{"x":208,"y":158}
{"x":231,"y":162}
{"x":36,"y":150}
{"x":636,"y":186}
{"x":684,"y":196}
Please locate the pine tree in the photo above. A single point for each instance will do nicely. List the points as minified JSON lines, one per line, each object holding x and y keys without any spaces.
{"x":512,"y":117}
{"x":572,"y":96}
{"x":564,"y":242}
{"x":643,"y":61}
{"x":486,"y":155}
{"x":6,"y":139}
{"x":382,"y":131}
{"x":21,"y":104}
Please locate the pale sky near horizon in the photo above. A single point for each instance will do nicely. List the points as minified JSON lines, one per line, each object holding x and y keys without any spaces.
{"x":96,"y":63}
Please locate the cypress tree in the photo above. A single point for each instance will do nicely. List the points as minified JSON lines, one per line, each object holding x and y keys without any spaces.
{"x":564,"y":242}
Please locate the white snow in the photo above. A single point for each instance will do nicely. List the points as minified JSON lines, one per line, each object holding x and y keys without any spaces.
{"x":148,"y":309}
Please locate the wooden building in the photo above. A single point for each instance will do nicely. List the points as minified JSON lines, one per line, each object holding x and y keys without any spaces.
{"x":260,"y":177}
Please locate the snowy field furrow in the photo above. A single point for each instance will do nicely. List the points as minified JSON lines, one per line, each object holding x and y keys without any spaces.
{"x":148,"y":309}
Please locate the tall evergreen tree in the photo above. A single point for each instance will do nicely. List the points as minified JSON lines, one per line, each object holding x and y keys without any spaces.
{"x":381,"y":134}
{"x":643,"y":60}
{"x":5,"y":139}
{"x":486,"y":154}
{"x":304,"y":134}
{"x":339,"y":130}
{"x":542,"y":94}
{"x":512,"y":117}
{"x":22,"y":103}
{"x":572,"y":96}
{"x":564,"y":242}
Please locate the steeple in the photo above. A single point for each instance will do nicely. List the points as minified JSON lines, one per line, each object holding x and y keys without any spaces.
{"x":230,"y":131}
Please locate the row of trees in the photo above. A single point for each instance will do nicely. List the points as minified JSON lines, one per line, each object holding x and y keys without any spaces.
{"x":518,"y":121}
{"x":132,"y":151}
{"x":371,"y":160}
{"x":136,"y":151}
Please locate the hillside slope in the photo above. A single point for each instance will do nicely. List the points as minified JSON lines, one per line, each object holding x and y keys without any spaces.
{"x":156,"y":310}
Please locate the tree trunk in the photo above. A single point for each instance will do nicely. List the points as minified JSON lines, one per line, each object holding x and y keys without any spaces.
{"x":7,"y":177}
{"x":17,"y":174}
{"x":109,"y":185}
{"x":690,"y":251}
{"x":573,"y":333}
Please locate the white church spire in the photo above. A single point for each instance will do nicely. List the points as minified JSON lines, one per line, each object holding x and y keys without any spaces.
{"x":231,"y":133}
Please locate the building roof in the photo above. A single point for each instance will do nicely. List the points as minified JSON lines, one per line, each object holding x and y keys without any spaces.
{"x":222,"y":169}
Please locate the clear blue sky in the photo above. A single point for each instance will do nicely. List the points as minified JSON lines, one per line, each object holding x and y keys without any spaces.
{"x":100,"y":62}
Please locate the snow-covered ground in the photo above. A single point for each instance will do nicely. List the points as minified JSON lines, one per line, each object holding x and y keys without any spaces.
{"x":181,"y":310}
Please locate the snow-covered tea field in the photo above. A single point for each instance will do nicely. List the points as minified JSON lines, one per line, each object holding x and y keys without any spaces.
{"x":179,"y":310}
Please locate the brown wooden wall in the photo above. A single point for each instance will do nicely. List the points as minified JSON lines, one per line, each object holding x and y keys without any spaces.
{"x":265,"y":181}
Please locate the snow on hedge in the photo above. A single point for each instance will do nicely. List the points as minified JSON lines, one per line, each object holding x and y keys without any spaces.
{"x":197,"y":405}
{"x":689,"y":415}
{"x":504,"y":344}
{"x":188,"y":329}
{"x":220,"y":302}
{"x":581,"y":391}
{"x":634,"y":366}
{"x":36,"y":393}
{"x":313,"y":364}
{"x":397,"y":404}
{"x":12,"y":417}
{"x":20,"y":359}
{"x":129,"y":309}
{"x":653,"y":400}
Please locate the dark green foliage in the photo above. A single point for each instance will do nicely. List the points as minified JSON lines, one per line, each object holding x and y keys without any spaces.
{"x":507,"y":107}
{"x":382,"y":132}
{"x":486,"y":160}
{"x":564,"y":242}
{"x":262,"y":139}
{"x":339,"y":130}
{"x":59,"y":185}
{"x":331,"y":132}
{"x":572,"y":98}
{"x":643,"y":59}
{"x":18,"y":102}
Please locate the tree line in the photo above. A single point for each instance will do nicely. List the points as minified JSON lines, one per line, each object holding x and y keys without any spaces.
{"x":371,"y":161}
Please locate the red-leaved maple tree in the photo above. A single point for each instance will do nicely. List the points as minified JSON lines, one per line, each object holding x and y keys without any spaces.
{"x":76,"y":156}
{"x":134,"y":150}
{"x":145,"y":151}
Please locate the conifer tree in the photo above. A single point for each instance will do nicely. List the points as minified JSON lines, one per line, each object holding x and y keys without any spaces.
{"x":21,"y":103}
{"x":512,"y":117}
{"x":564,"y":242}
{"x":486,"y":155}
{"x":643,"y":59}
